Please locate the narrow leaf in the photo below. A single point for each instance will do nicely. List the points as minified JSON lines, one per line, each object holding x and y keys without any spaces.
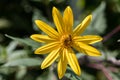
{"x":23,"y":62}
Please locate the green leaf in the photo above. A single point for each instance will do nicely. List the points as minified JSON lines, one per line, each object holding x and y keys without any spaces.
{"x":119,"y":40}
{"x":17,"y":55}
{"x":11,"y":47}
{"x":21,"y":72}
{"x":71,"y":75}
{"x":87,"y":76}
{"x":3,"y":54}
{"x":115,"y":76}
{"x":37,"y":15}
{"x":23,"y":62}
{"x":98,"y":24}
{"x":26,"y":41}
{"x":111,"y":54}
{"x":4,"y":23}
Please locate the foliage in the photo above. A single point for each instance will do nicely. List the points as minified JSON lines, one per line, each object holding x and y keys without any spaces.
{"x":17,"y":58}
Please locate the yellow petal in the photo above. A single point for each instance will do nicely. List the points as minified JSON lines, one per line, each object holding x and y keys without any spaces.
{"x":58,"y":20}
{"x":88,"y":39}
{"x":62,"y":65}
{"x":81,"y":27}
{"x":47,"y":48}
{"x":76,"y":47}
{"x":47,"y":29}
{"x":41,"y":38}
{"x":68,"y":19}
{"x":50,"y":58}
{"x":73,"y":62}
{"x":91,"y":51}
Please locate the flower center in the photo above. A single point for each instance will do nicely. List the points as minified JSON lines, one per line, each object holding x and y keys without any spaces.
{"x":66,"y":40}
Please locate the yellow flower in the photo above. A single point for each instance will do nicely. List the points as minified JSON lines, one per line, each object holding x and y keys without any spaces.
{"x":59,"y":44}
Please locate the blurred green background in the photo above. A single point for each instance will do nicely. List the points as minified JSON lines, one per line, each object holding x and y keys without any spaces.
{"x":17,"y":58}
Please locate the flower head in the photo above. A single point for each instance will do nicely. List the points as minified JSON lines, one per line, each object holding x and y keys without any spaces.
{"x":59,"y":44}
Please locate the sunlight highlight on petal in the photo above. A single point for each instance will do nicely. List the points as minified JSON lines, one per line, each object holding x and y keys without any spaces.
{"x":72,"y":61}
{"x":50,"y":58}
{"x":62,"y":65}
{"x":41,"y":38}
{"x":92,"y":53}
{"x":90,"y":49}
{"x":88,"y":39}
{"x":68,"y":19}
{"x":58,"y":20}
{"x":81,"y":27}
{"x":47,"y":29}
{"x":76,"y":47}
{"x":47,"y":48}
